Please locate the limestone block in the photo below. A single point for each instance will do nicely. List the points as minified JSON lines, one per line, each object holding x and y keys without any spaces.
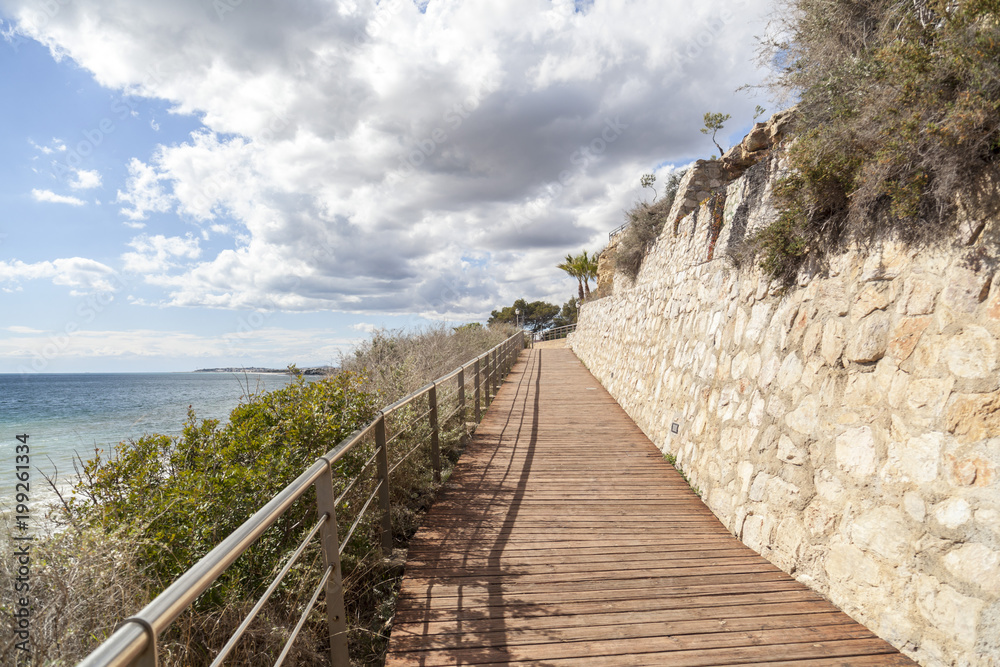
{"x":744,"y":473}
{"x":790,"y":371}
{"x":812,"y":338}
{"x":973,"y":417}
{"x":756,"y":415}
{"x":856,"y":452}
{"x":975,"y":563}
{"x":918,"y":297}
{"x":948,"y":611}
{"x":862,"y":390}
{"x":739,"y":365}
{"x":906,"y":335}
{"x":741,"y":325}
{"x":780,"y":493}
{"x":819,"y":518}
{"x":811,"y":375}
{"x":789,"y":453}
{"x":828,"y":487}
{"x":872,"y":297}
{"x":972,"y":353}
{"x":884,"y":531}
{"x":870,"y":339}
{"x":926,"y":397}
{"x":917,"y":460}
{"x":756,"y":532}
{"x":953,"y":513}
{"x":847,"y":563}
{"x":832,"y":345}
{"x":720,"y":502}
{"x":776,"y":406}
{"x":988,"y":519}
{"x":758,"y":490}
{"x":759,"y":316}
{"x":925,"y":357}
{"x":966,"y":288}
{"x":805,"y":418}
{"x":832,"y":297}
{"x":915,"y":506}
{"x":789,"y":538}
{"x":769,"y":371}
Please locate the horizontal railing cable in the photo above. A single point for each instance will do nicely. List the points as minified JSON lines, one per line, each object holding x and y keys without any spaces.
{"x":231,"y":644}
{"x":357,"y":521}
{"x":302,"y":621}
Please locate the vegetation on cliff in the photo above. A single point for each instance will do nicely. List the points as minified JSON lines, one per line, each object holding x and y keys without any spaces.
{"x":899,"y":108}
{"x":645,"y":222}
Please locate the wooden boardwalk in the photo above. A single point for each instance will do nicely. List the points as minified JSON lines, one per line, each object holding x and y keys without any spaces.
{"x":564,"y":538}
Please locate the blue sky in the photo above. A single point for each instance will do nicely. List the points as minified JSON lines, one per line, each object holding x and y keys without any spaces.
{"x":230,"y":183}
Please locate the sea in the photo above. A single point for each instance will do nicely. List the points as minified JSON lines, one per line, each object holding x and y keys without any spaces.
{"x":64,"y":417}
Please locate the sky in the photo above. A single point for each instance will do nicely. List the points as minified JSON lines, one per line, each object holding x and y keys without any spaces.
{"x":206,"y":183}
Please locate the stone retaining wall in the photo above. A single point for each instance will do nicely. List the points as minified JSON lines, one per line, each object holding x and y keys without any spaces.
{"x":848,"y":429}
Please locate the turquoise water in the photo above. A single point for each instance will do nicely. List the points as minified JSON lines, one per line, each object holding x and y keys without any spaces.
{"x":68,"y":415}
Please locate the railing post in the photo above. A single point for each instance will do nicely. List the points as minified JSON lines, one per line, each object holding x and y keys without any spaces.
{"x":489,"y":376}
{"x":479,"y":381}
{"x":461,"y":395}
{"x":336,"y":614}
{"x":382,"y":457}
{"x":495,"y":376}
{"x":435,"y":440}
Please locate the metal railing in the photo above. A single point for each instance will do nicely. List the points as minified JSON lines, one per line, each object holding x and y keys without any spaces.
{"x":555,"y":334}
{"x":135,"y":640}
{"x":615,"y":232}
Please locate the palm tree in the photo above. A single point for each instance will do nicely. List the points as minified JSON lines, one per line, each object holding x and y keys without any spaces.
{"x":572,"y":267}
{"x":587,"y":266}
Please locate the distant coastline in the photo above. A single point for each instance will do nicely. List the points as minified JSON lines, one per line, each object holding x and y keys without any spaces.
{"x":317,"y":370}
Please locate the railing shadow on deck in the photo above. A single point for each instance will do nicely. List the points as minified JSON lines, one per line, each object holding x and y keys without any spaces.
{"x":135,"y":640}
{"x":487,"y":611}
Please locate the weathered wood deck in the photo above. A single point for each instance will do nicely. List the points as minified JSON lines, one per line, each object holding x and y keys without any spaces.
{"x":564,"y":538}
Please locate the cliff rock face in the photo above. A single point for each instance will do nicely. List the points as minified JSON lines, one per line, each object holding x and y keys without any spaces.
{"x":708,"y":176}
{"x":847,"y":428}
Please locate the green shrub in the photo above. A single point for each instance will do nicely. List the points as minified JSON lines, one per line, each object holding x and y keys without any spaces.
{"x":183,"y":496}
{"x":899,"y":106}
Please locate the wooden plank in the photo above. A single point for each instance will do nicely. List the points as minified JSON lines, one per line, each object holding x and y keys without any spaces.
{"x":564,"y":538}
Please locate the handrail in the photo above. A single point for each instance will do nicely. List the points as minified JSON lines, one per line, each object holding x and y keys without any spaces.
{"x":558,"y":332}
{"x":135,"y":640}
{"x":615,"y":232}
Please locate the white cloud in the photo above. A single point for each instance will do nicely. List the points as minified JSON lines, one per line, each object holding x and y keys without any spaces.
{"x":155,"y":254}
{"x":269,"y":345}
{"x":144,"y":192}
{"x":364,"y":326}
{"x":49,"y":196}
{"x":371,"y":157}
{"x":23,"y":330}
{"x":83,"y":275}
{"x":83,"y":179}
